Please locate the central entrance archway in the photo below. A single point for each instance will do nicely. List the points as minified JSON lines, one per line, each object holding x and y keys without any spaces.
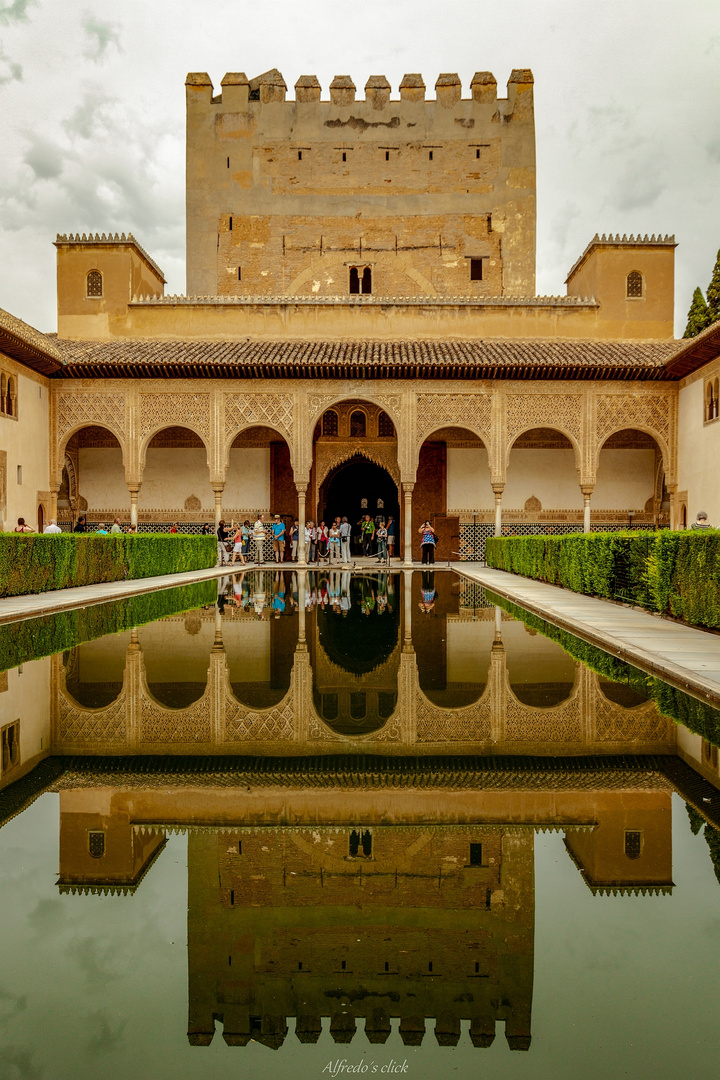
{"x":358,"y":487}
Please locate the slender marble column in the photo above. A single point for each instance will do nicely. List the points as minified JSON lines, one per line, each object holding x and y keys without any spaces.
{"x":498,"y":490}
{"x":407,"y":496}
{"x":218,"y":489}
{"x":587,"y":493}
{"x":301,"y":489}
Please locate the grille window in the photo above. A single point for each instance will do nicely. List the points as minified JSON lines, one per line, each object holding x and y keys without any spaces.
{"x":634,"y":284}
{"x":94,"y":284}
{"x":330,"y":422}
{"x":633,"y":843}
{"x":96,"y":843}
{"x":358,"y":423}
{"x":386,"y":428}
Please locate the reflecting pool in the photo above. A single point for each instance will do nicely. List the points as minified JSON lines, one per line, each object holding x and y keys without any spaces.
{"x":370,"y":821}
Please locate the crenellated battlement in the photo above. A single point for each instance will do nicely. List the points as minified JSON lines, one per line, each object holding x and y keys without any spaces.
{"x":271,"y":88}
{"x":616,"y":240}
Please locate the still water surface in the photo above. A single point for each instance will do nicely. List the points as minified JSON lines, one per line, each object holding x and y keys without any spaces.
{"x":371,"y":822}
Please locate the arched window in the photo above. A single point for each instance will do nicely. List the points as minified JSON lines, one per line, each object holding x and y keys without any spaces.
{"x":633,"y":843}
{"x":634,"y":285}
{"x":94,"y":283}
{"x":716,"y":396}
{"x":11,"y":399}
{"x":358,"y":424}
{"x":712,"y":406}
{"x":3,"y":393}
{"x":386,"y":428}
{"x":330,"y":422}
{"x":360,"y":279}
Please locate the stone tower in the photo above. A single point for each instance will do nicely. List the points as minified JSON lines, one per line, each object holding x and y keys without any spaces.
{"x":393,"y":197}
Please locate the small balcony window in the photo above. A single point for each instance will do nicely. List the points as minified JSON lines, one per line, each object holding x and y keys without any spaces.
{"x":360,"y":280}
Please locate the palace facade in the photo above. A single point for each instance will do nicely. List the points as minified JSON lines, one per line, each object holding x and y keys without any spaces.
{"x":361,"y":334}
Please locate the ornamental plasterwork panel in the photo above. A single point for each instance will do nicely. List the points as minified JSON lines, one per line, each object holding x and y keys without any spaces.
{"x":268,"y":410}
{"x":248,"y":725}
{"x":390,"y":403}
{"x":469,"y":724}
{"x":83,"y":727}
{"x":184,"y":410}
{"x":472,"y":411}
{"x":562,"y":412}
{"x":613,"y":723}
{"x":525,"y":723}
{"x":162,"y":725}
{"x":79,"y":409}
{"x":614,"y":412}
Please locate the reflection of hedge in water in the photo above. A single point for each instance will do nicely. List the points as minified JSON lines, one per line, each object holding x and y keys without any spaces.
{"x":712,"y":837}
{"x":696,"y":715}
{"x":21,"y":642}
{"x":363,"y":639}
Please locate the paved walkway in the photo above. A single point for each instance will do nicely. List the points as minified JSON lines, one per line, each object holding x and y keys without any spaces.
{"x":681,"y":655}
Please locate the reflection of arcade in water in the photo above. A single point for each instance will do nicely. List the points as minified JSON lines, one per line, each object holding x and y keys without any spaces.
{"x":412,"y":662}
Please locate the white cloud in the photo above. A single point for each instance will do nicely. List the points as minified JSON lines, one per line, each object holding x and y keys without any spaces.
{"x":101,"y":35}
{"x":15,"y":11}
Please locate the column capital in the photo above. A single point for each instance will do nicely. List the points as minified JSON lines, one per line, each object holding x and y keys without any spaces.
{"x":218,"y":486}
{"x":498,"y":488}
{"x":587,"y":489}
{"x":301,"y":488}
{"x":408,"y":488}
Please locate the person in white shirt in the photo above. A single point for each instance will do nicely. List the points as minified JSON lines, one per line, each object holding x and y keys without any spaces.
{"x":117,"y":527}
{"x":53,"y":527}
{"x":259,"y":538}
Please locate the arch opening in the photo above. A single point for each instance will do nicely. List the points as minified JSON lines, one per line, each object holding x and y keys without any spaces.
{"x":92,"y":478}
{"x":452,"y":490}
{"x":259,"y":477}
{"x":357,"y":487}
{"x":630,"y":489}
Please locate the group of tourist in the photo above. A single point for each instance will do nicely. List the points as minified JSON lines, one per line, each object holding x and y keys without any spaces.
{"x":323,"y":543}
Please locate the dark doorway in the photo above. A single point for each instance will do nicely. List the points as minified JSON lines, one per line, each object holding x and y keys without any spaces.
{"x":359,"y":487}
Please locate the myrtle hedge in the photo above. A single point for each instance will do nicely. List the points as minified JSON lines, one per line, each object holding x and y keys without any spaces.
{"x":35,"y":564}
{"x":674,"y":573}
{"x":31,"y":639}
{"x":696,"y":715}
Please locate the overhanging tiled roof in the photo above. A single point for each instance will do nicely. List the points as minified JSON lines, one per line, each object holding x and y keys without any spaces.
{"x":28,"y":345}
{"x":492,"y":358}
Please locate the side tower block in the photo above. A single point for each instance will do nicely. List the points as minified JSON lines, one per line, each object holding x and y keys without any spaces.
{"x":97,"y":275}
{"x":633,"y":280}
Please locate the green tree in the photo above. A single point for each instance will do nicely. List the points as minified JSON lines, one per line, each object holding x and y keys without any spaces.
{"x":713,"y":294}
{"x":698,"y":315}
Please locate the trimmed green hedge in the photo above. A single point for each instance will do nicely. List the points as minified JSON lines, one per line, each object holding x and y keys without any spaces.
{"x":675,"y":573}
{"x":696,"y":715}
{"x":43,"y":563}
{"x":31,"y":639}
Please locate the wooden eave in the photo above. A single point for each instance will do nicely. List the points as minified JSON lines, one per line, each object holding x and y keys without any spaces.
{"x":697,"y":352}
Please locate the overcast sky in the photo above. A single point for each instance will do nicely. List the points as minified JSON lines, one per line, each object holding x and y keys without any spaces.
{"x":92,"y":120}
